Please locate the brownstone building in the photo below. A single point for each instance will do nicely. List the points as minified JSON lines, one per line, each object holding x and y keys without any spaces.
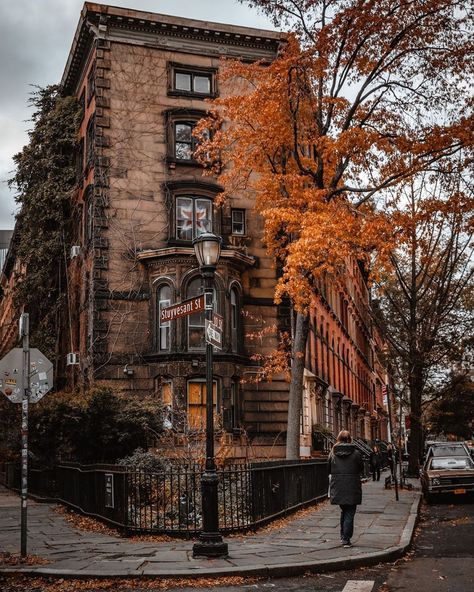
{"x":143,"y":80}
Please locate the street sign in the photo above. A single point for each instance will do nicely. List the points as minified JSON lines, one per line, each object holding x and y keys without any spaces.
{"x":41,"y":375}
{"x":218,"y":321}
{"x":182,"y":309}
{"x":11,"y":375}
{"x":213,"y":334}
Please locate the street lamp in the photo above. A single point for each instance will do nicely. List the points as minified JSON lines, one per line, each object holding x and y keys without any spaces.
{"x":207,"y":247}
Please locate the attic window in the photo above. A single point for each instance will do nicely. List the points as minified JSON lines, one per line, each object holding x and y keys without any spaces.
{"x":192,"y":81}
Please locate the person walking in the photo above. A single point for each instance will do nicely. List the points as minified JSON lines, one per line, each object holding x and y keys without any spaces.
{"x":376,"y":463}
{"x":391,"y":460}
{"x":345,"y":486}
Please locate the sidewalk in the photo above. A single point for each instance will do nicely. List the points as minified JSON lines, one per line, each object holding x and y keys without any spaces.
{"x":311,"y":542}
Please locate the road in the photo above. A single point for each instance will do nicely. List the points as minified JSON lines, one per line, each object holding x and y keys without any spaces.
{"x":442,"y":560}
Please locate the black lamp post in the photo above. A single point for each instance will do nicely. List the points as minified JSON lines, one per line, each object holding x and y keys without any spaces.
{"x":207,"y":247}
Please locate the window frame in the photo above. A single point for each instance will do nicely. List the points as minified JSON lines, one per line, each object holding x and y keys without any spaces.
{"x":173,"y":118}
{"x":175,"y":68}
{"x":194,"y":199}
{"x":243,"y":222}
{"x":167,"y":324}
{"x":216,"y":400}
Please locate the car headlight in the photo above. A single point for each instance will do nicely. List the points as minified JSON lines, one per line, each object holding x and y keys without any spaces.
{"x":435,"y":481}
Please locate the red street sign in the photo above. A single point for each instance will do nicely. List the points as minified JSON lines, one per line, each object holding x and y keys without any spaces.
{"x":218,"y":321}
{"x":182,"y":309}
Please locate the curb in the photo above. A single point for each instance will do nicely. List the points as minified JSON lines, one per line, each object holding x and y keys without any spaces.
{"x":265,"y":571}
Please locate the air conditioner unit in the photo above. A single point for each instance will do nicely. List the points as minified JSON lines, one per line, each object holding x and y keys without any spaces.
{"x":72,"y":359}
{"x":75,"y":251}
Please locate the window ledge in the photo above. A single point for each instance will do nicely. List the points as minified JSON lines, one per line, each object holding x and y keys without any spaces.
{"x":191,"y":95}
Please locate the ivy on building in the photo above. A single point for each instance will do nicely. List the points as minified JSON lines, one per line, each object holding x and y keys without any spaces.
{"x":45,"y":180}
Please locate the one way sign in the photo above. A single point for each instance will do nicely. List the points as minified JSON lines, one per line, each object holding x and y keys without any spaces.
{"x":213,"y":334}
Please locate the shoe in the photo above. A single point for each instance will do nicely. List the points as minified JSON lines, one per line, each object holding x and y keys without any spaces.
{"x":347,"y":545}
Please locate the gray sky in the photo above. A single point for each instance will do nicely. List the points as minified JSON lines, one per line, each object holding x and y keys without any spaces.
{"x":35,"y":37}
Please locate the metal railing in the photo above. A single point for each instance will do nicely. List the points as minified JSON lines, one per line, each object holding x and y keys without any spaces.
{"x":169,"y":501}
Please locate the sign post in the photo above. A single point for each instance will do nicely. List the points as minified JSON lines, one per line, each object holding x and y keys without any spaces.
{"x":25,"y":335}
{"x":26,"y":375}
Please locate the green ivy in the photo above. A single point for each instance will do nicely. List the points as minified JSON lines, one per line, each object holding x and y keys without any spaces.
{"x":45,"y":181}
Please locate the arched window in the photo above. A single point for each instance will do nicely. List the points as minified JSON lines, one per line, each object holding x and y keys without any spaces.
{"x":164,"y":300}
{"x":234,"y":319}
{"x":196,"y":320}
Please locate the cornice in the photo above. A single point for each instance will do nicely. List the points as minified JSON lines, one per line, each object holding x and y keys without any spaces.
{"x":135,"y":26}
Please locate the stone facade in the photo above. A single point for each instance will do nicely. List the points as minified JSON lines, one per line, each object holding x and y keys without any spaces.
{"x":143,"y":80}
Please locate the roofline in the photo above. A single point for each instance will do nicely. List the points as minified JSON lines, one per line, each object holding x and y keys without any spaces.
{"x":92,"y":13}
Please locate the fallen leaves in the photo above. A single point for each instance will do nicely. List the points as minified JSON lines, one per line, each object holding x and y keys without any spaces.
{"x":12,"y":559}
{"x":32,"y":584}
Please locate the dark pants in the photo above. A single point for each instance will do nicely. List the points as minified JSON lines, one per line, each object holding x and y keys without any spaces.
{"x":375,"y":473}
{"x":347,"y":521}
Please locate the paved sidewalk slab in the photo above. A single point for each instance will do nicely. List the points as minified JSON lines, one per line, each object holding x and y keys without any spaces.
{"x":310,"y":542}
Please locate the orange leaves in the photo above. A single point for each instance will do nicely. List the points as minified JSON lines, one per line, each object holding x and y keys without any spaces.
{"x":347,"y":111}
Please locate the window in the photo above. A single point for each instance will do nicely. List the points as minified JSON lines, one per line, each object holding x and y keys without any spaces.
{"x":234,"y":319}
{"x":196,"y":320}
{"x":90,"y":141}
{"x":234,"y":404}
{"x":196,"y":338}
{"x":80,"y":162}
{"x":167,"y":403}
{"x":184,"y":142}
{"x":193,"y":217}
{"x":164,"y":300}
{"x":88,"y":214}
{"x":192,"y":80}
{"x":238,"y":222}
{"x":91,"y":84}
{"x":197,"y":403}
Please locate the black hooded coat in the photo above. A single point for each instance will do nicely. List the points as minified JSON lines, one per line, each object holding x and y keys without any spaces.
{"x":345,"y":467}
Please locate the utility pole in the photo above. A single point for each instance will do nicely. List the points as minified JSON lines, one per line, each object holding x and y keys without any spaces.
{"x":24,"y":335}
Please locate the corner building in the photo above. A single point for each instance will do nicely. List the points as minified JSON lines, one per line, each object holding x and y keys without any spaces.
{"x":142,"y":80}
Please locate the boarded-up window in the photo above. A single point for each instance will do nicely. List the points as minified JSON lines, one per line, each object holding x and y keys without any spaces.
{"x":197,"y":404}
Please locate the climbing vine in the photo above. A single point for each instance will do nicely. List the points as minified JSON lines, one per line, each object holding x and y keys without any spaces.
{"x":45,"y":180}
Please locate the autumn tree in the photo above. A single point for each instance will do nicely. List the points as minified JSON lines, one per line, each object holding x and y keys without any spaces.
{"x":363,"y":95}
{"x":452,"y":411}
{"x":425,"y":298}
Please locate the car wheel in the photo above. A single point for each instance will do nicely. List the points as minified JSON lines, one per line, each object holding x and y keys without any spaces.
{"x":428,"y":497}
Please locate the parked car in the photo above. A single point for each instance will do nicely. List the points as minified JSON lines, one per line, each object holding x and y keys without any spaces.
{"x":447,"y":449}
{"x":447,"y":475}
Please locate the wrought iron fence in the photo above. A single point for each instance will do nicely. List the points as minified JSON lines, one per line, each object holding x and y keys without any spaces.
{"x":169,"y":501}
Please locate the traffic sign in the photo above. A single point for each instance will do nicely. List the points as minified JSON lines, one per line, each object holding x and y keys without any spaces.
{"x":218,"y":321}
{"x":213,"y":334}
{"x":182,"y":309}
{"x":11,"y":375}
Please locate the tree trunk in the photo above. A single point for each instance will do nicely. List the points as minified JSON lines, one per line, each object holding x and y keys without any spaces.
{"x":296,"y":387}
{"x":416,"y":432}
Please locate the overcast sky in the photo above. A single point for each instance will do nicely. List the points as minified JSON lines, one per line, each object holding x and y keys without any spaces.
{"x":35,"y":37}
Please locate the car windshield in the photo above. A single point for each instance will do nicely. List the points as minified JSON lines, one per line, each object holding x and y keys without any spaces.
{"x":438,"y":464}
{"x":448,"y":450}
